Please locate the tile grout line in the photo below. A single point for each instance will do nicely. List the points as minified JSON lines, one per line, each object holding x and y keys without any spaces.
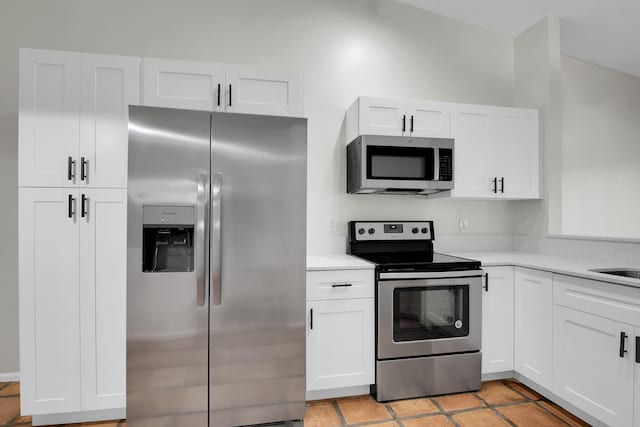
{"x":551,"y":413}
{"x":336,"y":407}
{"x":493,"y":409}
{"x":442,"y":411}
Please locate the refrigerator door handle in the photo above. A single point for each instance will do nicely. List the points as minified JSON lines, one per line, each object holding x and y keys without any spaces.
{"x":216,"y":243}
{"x":202,"y":229}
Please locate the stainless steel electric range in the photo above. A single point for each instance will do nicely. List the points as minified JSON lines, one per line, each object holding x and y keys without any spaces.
{"x":428,"y":311}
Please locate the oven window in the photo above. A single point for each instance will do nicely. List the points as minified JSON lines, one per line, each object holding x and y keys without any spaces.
{"x":430,"y":313}
{"x":408,"y":163}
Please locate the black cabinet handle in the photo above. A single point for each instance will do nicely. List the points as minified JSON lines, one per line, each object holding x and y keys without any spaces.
{"x":230,"y":97}
{"x":311,"y":321}
{"x":502,"y":185}
{"x":623,"y":338}
{"x":495,"y":185}
{"x":218,"y":94}
{"x":83,"y":206}
{"x":404,"y":122}
{"x":84,"y":168}
{"x":71,"y":210}
{"x":71,"y":169}
{"x":411,"y":124}
{"x":486,"y":282}
{"x":637,"y":349}
{"x":341,"y":285}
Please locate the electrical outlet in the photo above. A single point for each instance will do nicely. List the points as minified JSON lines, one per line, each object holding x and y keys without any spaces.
{"x":463,"y":224}
{"x":333,"y":227}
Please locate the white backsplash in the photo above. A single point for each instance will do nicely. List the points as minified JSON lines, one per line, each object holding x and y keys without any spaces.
{"x":605,"y":252}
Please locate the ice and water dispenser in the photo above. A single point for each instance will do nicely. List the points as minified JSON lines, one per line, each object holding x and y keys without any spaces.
{"x":167,"y":239}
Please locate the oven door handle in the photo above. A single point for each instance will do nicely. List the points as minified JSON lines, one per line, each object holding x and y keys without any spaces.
{"x":431,"y":275}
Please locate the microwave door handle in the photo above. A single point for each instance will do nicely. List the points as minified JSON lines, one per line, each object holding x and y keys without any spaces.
{"x":216,"y":235}
{"x":436,"y":164}
{"x":202,"y":230}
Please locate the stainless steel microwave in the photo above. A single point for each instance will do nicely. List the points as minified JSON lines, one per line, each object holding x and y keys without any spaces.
{"x":399,"y":165}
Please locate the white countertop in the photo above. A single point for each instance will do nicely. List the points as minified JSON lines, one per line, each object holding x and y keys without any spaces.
{"x":554,"y":264}
{"x":337,"y":262}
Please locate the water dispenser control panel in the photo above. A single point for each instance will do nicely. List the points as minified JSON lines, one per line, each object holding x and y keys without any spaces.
{"x":167,"y":238}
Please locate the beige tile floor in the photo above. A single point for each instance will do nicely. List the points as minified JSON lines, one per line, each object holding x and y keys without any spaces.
{"x":499,"y":403}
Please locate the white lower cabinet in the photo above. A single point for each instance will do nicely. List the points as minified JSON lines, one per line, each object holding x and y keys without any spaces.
{"x":340,"y":329}
{"x":590,"y":371}
{"x":533,"y":325}
{"x":49,"y":302}
{"x":497,"y":320}
{"x":72,"y":299}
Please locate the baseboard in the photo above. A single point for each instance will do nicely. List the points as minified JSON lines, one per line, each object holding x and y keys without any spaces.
{"x":79,"y":417}
{"x":338,"y":392}
{"x":7,"y":377}
{"x":498,"y":376}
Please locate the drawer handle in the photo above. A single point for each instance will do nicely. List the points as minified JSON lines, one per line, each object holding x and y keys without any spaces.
{"x":341,"y":285}
{"x":311,"y":319}
{"x":623,"y":338}
{"x":486,"y":282}
{"x":637,"y":349}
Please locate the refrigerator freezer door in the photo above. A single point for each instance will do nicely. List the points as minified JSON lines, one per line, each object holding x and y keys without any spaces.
{"x":167,"y":313}
{"x":257,"y":317}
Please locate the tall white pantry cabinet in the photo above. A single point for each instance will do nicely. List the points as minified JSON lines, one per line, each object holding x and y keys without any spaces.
{"x":73,"y":122}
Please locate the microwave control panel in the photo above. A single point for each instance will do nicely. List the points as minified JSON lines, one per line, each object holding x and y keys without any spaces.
{"x":446,"y":164}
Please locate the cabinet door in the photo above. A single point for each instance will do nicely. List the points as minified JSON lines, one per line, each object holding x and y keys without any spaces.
{"x":48,"y":117}
{"x":258,"y":91}
{"x":340,"y":343}
{"x":517,"y":143}
{"x":430,"y":119}
{"x":588,"y":370}
{"x":109,"y":85}
{"x":533,"y":326}
{"x":103,"y":249}
{"x":183,"y":84}
{"x":382,"y":116}
{"x":49,"y":301}
{"x":497,"y":320}
{"x":473,"y":127}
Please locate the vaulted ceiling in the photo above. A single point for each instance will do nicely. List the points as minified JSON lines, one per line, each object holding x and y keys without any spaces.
{"x":604,"y":32}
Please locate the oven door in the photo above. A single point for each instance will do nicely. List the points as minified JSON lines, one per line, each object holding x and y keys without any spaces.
{"x":424,"y":314}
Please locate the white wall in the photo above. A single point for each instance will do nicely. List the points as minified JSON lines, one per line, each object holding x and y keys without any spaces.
{"x":600,"y":151}
{"x":345,"y":48}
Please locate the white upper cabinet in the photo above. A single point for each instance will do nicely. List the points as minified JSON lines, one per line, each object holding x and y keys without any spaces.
{"x":397,"y":117}
{"x":533,"y":325}
{"x":219,"y":87}
{"x":496,"y":152}
{"x":48,"y":118}
{"x":497,"y":320}
{"x":102,"y":215}
{"x":430,"y":119}
{"x":258,"y":91}
{"x":189,"y":85}
{"x":109,"y":84}
{"x":73,"y":118}
{"x":517,"y":153}
{"x":473,"y":131}
{"x":49,"y":301}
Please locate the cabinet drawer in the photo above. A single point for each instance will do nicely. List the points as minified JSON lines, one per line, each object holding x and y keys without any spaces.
{"x":339,"y":284}
{"x":620,"y":303}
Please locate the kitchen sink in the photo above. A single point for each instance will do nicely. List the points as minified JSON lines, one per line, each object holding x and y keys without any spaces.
{"x":624,"y":272}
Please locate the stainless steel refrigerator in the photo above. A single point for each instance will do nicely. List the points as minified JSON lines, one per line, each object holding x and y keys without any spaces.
{"x":216,"y":268}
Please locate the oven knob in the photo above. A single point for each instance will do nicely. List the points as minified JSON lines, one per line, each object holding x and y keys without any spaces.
{"x":424,"y":230}
{"x":414,"y":230}
{"x":371,"y":231}
{"x":360,"y":230}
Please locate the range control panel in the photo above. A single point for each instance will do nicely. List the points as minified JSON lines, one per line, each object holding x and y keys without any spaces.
{"x":383,"y":230}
